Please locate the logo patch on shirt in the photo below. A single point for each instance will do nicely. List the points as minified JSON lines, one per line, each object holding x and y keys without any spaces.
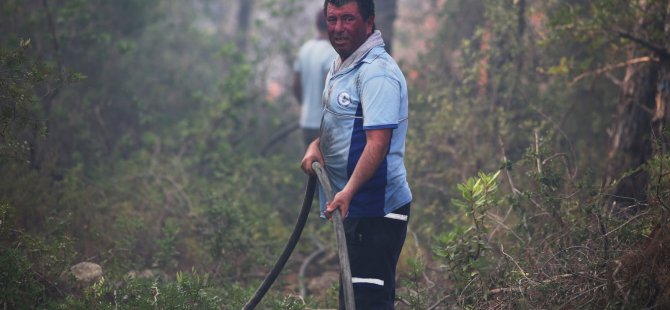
{"x":344,"y":99}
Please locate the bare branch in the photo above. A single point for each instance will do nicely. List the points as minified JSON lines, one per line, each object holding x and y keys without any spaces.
{"x":441,"y":300}
{"x":501,"y":223}
{"x":609,"y":68}
{"x":505,"y":290}
{"x":546,"y":160}
{"x":662,"y":52}
{"x":614,"y":79}
{"x":523,"y":272}
{"x":626,"y":223}
{"x":515,"y":191}
{"x":537,"y":151}
{"x":547,"y":281}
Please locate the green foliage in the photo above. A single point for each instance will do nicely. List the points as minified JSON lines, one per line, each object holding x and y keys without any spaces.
{"x":187,"y":291}
{"x":235,"y":236}
{"x":130,"y":136}
{"x":19,"y":287}
{"x":151,"y":160}
{"x":166,"y":245}
{"x":283,"y":8}
{"x":331,"y":298}
{"x":465,"y":248}
{"x":523,"y":86}
{"x":288,"y":302}
{"x":551,"y":242}
{"x":20,"y":113}
{"x":659,"y":189}
{"x":30,"y":266}
{"x":412,"y":285}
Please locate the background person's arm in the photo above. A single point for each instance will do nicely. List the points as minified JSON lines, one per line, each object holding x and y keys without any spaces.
{"x":297,"y":87}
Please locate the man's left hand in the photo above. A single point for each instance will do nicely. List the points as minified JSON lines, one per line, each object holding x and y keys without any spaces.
{"x":340,"y":201}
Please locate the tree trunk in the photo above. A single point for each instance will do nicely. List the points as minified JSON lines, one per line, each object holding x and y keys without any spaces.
{"x":641,"y":115}
{"x":243,"y":21}
{"x":630,"y":134}
{"x":662,"y":100}
{"x":386,"y":12}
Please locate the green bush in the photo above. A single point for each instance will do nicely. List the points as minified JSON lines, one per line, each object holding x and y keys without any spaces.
{"x":20,"y":288}
{"x":552,"y":244}
{"x":31,"y":267}
{"x":187,"y":291}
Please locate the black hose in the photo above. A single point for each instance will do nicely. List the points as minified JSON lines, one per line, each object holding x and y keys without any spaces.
{"x":290,"y":245}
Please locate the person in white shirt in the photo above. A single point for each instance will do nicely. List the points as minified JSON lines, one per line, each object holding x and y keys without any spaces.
{"x":310,"y":69}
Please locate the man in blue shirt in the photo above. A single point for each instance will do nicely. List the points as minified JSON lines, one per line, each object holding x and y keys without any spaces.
{"x":362,"y":146}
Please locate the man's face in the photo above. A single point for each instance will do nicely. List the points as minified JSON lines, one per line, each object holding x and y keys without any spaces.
{"x":346,"y":28}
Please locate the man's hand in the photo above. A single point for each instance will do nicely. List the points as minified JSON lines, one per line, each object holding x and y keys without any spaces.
{"x":341,"y":200}
{"x":312,"y":154}
{"x":373,"y":154}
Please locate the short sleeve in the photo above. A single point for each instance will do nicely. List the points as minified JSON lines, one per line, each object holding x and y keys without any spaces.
{"x":297,"y":64}
{"x":381,"y":102}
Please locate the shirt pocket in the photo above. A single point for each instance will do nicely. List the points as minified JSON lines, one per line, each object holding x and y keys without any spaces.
{"x":344,"y":103}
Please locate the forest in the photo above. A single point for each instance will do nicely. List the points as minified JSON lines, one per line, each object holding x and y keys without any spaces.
{"x":149,"y":157}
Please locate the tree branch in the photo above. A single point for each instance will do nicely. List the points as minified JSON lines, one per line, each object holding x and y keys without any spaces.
{"x":611,"y":67}
{"x":537,"y":151}
{"x":515,"y":191}
{"x":661,"y":51}
{"x":59,"y":64}
{"x":438,"y":302}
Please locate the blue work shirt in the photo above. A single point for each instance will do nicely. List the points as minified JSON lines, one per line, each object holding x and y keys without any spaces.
{"x":370,"y":93}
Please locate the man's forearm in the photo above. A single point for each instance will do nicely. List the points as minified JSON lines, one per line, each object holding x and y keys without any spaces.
{"x":312,"y":154}
{"x":373,"y":154}
{"x":316,"y":142}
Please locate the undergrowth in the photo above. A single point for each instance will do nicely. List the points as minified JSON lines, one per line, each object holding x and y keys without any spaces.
{"x":553,"y":241}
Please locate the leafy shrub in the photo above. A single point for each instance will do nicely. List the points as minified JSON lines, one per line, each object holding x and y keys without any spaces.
{"x":188,"y":291}
{"x":19,"y":288}
{"x":31,"y":266}
{"x":555,"y":250}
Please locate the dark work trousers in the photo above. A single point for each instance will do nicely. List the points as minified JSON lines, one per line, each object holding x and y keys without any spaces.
{"x":374,"y":246}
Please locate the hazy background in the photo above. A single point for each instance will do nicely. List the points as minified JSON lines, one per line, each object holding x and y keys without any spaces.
{"x":152,"y":141}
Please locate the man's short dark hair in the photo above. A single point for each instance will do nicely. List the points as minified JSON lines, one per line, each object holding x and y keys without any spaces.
{"x":366,"y":7}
